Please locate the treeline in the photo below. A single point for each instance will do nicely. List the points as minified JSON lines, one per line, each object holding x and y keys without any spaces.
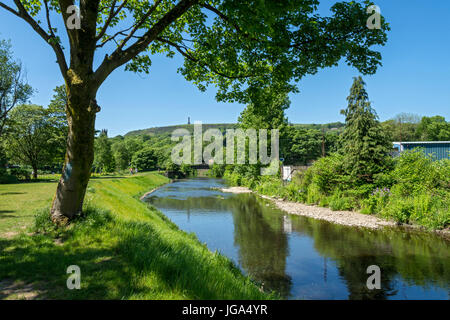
{"x":358,"y":173}
{"x":141,"y":153}
{"x":32,"y":138}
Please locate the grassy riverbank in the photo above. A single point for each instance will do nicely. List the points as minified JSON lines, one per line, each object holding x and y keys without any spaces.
{"x":125,"y":249}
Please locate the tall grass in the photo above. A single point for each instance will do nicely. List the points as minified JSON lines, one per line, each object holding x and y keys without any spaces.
{"x":125,"y":250}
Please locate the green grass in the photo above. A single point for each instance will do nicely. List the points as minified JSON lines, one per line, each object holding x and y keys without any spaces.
{"x":18,"y":202}
{"x":124,"y":248}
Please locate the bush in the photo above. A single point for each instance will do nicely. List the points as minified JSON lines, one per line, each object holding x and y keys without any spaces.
{"x":7,"y":178}
{"x":327,"y":174}
{"x":217,"y":170}
{"x":313,"y":195}
{"x":186,"y":170}
{"x":415,"y":173}
{"x":399,"y":209}
{"x":294,"y":192}
{"x":376,"y":201}
{"x":339,"y":202}
{"x":20,"y":173}
{"x":270,"y":186}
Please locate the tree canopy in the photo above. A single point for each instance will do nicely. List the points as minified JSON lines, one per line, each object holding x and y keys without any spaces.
{"x":239,"y":46}
{"x":33,"y":137}
{"x":13,"y":88}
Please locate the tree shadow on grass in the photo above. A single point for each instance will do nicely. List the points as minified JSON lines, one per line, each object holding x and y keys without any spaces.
{"x":42,"y":262}
{"x":11,"y":193}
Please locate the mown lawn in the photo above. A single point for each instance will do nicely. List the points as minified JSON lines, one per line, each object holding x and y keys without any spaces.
{"x":125,"y":249}
{"x":18,"y":203}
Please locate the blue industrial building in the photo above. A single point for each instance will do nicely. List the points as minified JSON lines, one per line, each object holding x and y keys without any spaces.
{"x":437,"y":149}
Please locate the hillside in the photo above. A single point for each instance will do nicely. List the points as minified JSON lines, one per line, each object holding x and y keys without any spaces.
{"x":155,"y":131}
{"x":169,"y":129}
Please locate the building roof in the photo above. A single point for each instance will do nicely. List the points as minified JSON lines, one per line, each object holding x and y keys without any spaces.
{"x":422,"y":142}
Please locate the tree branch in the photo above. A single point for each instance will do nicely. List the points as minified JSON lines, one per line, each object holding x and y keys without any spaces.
{"x":119,"y":57}
{"x":51,"y":40}
{"x":139,"y":23}
{"x":184,"y":51}
{"x":111,"y":16}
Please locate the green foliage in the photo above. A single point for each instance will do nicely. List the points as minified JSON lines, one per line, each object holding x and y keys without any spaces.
{"x":376,"y":201}
{"x":122,"y":156}
{"x":403,"y":127}
{"x":338,"y":201}
{"x":415,"y":190}
{"x":217,"y":170}
{"x":365,"y":145}
{"x":299,"y":146}
{"x":266,"y":110}
{"x":416,"y":173}
{"x":6,"y":178}
{"x":187,"y":170}
{"x":270,"y":186}
{"x":34,"y":136}
{"x":13,"y":87}
{"x":434,"y":129}
{"x":144,"y":159}
{"x":327,"y":174}
{"x":104,"y":159}
{"x":20,"y":173}
{"x":43,"y":223}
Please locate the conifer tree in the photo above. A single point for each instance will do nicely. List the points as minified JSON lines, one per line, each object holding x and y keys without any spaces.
{"x":365,"y":145}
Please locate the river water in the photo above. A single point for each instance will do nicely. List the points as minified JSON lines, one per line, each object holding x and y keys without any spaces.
{"x":304,"y":258}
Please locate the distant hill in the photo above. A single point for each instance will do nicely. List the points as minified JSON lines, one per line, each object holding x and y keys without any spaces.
{"x":157,"y":131}
{"x":320,"y":126}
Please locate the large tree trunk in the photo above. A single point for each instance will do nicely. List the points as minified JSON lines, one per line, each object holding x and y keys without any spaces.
{"x":81,"y":112}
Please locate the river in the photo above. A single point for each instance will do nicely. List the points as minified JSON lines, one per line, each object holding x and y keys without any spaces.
{"x":304,"y":258}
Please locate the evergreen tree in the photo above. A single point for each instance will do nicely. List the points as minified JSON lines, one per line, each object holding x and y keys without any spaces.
{"x":364,"y":144}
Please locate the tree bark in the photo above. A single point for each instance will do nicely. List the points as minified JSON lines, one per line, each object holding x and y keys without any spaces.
{"x":81,"y":112}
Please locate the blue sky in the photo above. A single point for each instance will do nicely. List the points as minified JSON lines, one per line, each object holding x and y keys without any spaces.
{"x":414,"y":77}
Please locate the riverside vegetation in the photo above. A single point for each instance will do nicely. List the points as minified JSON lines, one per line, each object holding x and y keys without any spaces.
{"x":416,"y":190}
{"x":360,"y":175}
{"x":124,"y":248}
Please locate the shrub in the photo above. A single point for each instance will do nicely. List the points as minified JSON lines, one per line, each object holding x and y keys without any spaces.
{"x":376,"y":201}
{"x":20,"y":173}
{"x":399,"y":209}
{"x":328,"y":174}
{"x":187,"y":170}
{"x":217,"y":170}
{"x":313,"y":194}
{"x":415,"y":173}
{"x":7,"y":178}
{"x":338,"y":201}
{"x":294,"y":192}
{"x":270,"y":186}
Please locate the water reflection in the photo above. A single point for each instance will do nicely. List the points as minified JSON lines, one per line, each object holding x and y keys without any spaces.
{"x":306,"y":258}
